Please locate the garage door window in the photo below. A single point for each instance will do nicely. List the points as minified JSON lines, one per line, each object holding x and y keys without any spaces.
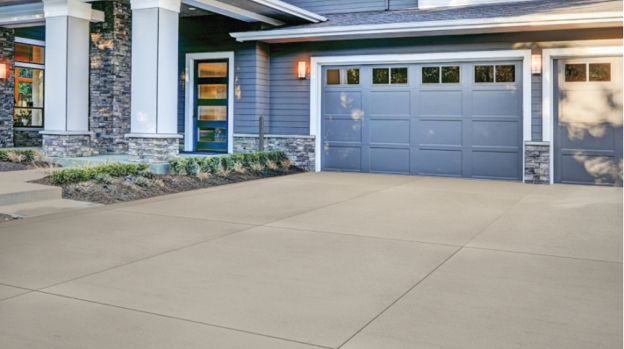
{"x":577,"y":72}
{"x":488,"y":73}
{"x":353,"y":76}
{"x":445,"y":75}
{"x":394,"y":76}
{"x":333,"y":76}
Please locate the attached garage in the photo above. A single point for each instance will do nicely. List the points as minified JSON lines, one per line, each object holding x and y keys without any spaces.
{"x":437,"y":119}
{"x":588,"y":121}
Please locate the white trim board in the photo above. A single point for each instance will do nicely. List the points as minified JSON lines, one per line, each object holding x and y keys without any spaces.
{"x":432,"y":28}
{"x":29,"y":41}
{"x":189,"y":131}
{"x":316,"y":85}
{"x":548,"y":103}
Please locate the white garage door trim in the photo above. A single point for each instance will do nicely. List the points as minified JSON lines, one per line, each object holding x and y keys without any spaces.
{"x":548,"y":111}
{"x":316,"y":64}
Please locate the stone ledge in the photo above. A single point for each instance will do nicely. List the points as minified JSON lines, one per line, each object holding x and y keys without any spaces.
{"x":152,"y":150}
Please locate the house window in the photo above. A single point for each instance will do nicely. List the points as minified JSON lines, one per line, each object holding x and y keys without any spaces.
{"x":395,"y":76}
{"x":29,"y":53}
{"x":28,"y":107}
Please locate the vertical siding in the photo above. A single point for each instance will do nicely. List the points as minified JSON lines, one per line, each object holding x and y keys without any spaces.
{"x":34,"y":33}
{"x":341,"y":6}
{"x":210,"y":34}
{"x":290,"y":97}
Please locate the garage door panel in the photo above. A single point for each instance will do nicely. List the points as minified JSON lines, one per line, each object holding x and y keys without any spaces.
{"x":343,"y":103}
{"x":439,"y":162}
{"x":495,"y":133}
{"x":439,"y":132}
{"x":588,"y":137}
{"x":343,"y":130}
{"x":390,"y":160}
{"x":343,"y":158}
{"x":500,"y":102}
{"x":490,"y":164}
{"x":390,"y":103}
{"x":440,"y":103}
{"x":390,"y":131}
{"x":590,"y":169}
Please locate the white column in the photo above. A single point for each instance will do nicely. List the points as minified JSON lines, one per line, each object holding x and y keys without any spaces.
{"x":154,"y":96}
{"x":67,"y":67}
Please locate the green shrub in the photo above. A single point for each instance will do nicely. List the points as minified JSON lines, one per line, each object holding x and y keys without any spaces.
{"x":104,"y":178}
{"x":218,"y":164}
{"x":192,"y":168}
{"x":227,"y":162}
{"x":147,"y":173}
{"x":141,"y":181}
{"x":214,"y":164}
{"x":178,"y":165}
{"x":85,"y":173}
{"x":27,"y":155}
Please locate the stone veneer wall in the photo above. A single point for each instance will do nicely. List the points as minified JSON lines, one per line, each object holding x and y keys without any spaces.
{"x":7,"y":87}
{"x":537,"y":163}
{"x":66,"y":146}
{"x":152,"y":150}
{"x":300,"y":150}
{"x":24,"y":138}
{"x":109,"y":115}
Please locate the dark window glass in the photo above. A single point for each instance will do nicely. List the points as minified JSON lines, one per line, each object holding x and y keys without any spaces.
{"x":430,"y":75}
{"x":333,"y":76}
{"x":22,"y":53}
{"x":575,"y":72}
{"x":484,"y":73}
{"x":380,"y":76}
{"x":450,"y":74}
{"x":212,"y":135}
{"x":399,"y":75}
{"x":505,"y":73}
{"x":28,"y":110}
{"x":599,"y":72}
{"x":353,"y":76}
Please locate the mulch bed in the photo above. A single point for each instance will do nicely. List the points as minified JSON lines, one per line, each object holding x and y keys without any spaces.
{"x":125,"y":190}
{"x":21,"y":166}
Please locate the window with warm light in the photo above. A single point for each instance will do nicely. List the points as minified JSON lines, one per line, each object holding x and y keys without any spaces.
{"x":29,"y":82}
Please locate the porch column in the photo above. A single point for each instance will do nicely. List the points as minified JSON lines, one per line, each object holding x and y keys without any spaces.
{"x":66,"y":108}
{"x":153,"y":133}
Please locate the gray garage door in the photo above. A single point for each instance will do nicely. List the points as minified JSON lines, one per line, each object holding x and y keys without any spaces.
{"x":456,"y":120}
{"x":588,"y":121}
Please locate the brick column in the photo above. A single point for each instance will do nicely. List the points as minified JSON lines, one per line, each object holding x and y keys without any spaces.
{"x":109,"y":114}
{"x":7,"y":87}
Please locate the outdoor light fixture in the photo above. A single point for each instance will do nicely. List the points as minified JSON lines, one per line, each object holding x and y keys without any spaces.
{"x":536,"y":64}
{"x":3,"y":71}
{"x":302,"y":70}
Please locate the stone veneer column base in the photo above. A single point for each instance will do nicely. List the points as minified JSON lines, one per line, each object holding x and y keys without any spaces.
{"x":66,"y":146}
{"x":537,"y":163}
{"x":300,"y":150}
{"x":27,"y":138}
{"x":152,"y":150}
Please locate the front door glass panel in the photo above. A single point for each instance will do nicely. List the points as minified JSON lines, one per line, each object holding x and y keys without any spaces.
{"x":211,"y":105}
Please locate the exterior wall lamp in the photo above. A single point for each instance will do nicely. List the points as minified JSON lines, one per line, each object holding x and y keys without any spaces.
{"x":4,"y":73}
{"x":536,"y":64}
{"x":302,"y":69}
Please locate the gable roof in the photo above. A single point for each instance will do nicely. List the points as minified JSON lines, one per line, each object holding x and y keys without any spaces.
{"x":466,"y":19}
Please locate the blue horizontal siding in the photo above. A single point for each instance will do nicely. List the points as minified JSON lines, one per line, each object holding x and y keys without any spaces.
{"x":34,"y":33}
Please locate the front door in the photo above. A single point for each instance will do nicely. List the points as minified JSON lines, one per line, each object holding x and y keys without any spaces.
{"x":211,"y":105}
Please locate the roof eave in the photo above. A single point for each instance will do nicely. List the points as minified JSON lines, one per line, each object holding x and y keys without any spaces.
{"x":437,"y":28}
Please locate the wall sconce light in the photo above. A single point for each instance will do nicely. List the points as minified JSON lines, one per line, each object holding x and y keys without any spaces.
{"x":536,"y":64}
{"x":3,"y":71}
{"x":302,"y":70}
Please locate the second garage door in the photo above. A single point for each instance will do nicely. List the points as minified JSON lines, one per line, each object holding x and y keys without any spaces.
{"x":459,"y":120}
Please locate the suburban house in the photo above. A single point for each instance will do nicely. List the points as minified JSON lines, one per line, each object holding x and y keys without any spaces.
{"x":493,"y":89}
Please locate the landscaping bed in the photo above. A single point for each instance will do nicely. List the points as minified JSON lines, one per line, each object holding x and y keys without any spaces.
{"x":22,"y":159}
{"x":114,"y":183}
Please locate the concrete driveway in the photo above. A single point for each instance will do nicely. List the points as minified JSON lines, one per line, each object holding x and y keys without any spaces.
{"x":322,"y":260}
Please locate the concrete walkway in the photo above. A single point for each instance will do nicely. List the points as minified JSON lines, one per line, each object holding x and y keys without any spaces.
{"x":322,"y":260}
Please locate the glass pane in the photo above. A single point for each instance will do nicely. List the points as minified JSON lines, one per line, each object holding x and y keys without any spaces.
{"x":399,"y":75}
{"x":333,"y":76}
{"x":212,"y":91}
{"x":353,"y":76}
{"x":575,"y":72}
{"x":484,"y":73}
{"x":24,"y":73}
{"x":37,"y":118}
{"x":27,"y":117}
{"x":213,"y":70}
{"x":380,"y":76}
{"x":29,"y":88}
{"x":450,"y":74}
{"x":600,"y":72}
{"x":505,"y":73}
{"x":430,"y":75}
{"x":22,"y":52}
{"x":212,"y":135}
{"x":212,"y":113}
{"x":37,"y":54}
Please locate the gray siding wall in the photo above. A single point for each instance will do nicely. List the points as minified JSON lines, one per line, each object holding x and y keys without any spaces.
{"x":34,"y":33}
{"x":340,"y":6}
{"x":290,"y":97}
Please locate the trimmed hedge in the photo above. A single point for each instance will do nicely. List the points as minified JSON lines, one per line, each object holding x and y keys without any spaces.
{"x":81,"y":174}
{"x":28,"y":154}
{"x":191,"y":165}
